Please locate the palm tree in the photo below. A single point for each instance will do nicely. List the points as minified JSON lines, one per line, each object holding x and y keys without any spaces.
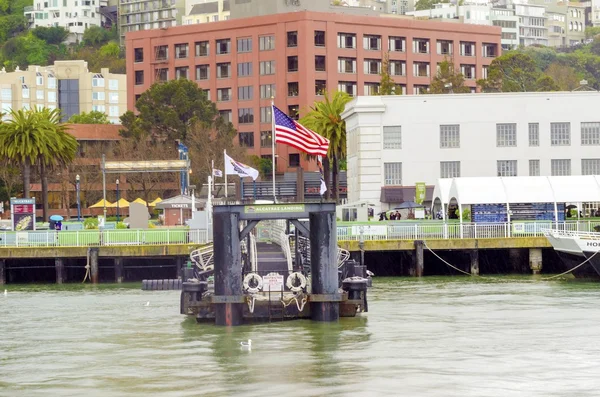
{"x":325,"y":118}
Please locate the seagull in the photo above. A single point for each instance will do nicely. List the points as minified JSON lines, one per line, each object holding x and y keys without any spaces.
{"x":246,"y":345}
{"x":148,"y":303}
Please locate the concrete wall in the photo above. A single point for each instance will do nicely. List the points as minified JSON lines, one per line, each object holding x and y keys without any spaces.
{"x":255,"y":8}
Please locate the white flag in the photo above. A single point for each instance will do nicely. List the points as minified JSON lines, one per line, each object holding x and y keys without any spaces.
{"x":217,"y":173}
{"x":233,"y":167}
{"x":323,"y":187}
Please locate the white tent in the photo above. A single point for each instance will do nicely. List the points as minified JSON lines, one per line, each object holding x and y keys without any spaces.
{"x":441,"y":195}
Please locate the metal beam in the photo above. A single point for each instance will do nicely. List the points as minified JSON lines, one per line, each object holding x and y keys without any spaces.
{"x":275,"y":211}
{"x":301,"y":227}
{"x":247,"y":229}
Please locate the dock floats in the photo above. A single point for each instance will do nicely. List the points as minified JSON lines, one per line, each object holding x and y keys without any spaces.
{"x":248,"y":288}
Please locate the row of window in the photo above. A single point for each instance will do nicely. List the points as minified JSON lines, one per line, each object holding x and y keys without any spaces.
{"x":505,"y":168}
{"x":345,"y":40}
{"x":506,"y":135}
{"x":246,"y":115}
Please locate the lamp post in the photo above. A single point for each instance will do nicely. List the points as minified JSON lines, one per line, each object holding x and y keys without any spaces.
{"x":183,"y":155}
{"x":78,"y":199}
{"x":118,"y":219}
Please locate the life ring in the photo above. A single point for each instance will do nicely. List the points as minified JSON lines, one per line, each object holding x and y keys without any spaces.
{"x":290,"y":280}
{"x":258,"y":280}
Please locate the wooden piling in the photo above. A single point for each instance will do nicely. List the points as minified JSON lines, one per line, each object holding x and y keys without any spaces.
{"x":59,"y":265}
{"x":118,"y":270}
{"x":94,"y":265}
{"x":2,"y":272}
{"x":419,"y":258}
{"x":474,"y":255}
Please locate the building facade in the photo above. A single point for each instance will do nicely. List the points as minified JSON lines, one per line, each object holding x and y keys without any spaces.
{"x":66,"y":85}
{"x":296,"y":58}
{"x":203,"y":11}
{"x":136,"y":15}
{"x":395,"y":142}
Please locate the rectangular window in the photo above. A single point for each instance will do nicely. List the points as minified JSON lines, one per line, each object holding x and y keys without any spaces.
{"x":392,"y":137}
{"x":113,"y":111}
{"x":39,"y":94}
{"x":349,"y":87}
{"x":245,"y":116}
{"x":449,"y":136}
{"x":113,"y":84}
{"x":292,"y":63}
{"x":397,"y":68}
{"x":202,"y":48}
{"x":372,"y":66}
{"x":265,"y":138}
{"x":294,"y":159}
{"x":113,"y":97}
{"x":267,"y":68}
{"x":346,"y":40}
{"x":223,"y":94}
{"x":39,"y":80}
{"x":226,"y":115}
{"x":534,"y":167}
{"x":138,"y":55}
{"x":244,"y":69}
{"x":320,"y":63}
{"x":347,"y":65}
{"x":51,"y":96}
{"x":507,"y":167}
{"x":397,"y":44}
{"x":244,"y":45}
{"x":294,"y":112}
{"x":392,"y":173}
{"x":223,"y":46}
{"x":51,"y":82}
{"x":561,"y":167}
{"x":267,"y":91}
{"x":467,"y":49}
{"x":99,"y":108}
{"x":560,"y":134}
{"x":450,"y":169}
{"x":590,"y":167}
{"x":534,"y":134}
{"x":97,"y":81}
{"x":319,"y":38}
{"x":293,"y":89}
{"x":371,"y":89}
{"x":320,"y":87}
{"x":266,"y":43}
{"x":181,"y":72}
{"x":246,"y":139}
{"x":421,"y":46}
{"x":98,"y":96}
{"x":161,"y":52}
{"x":506,"y":135}
{"x":590,"y":134}
{"x":202,"y":72}
{"x":25,"y":91}
{"x":6,"y":94}
{"x":245,"y":93}
{"x":266,"y":114}
{"x":162,"y":74}
{"x":372,"y":42}
{"x":139,"y":77}
{"x":181,"y":51}
{"x":223,"y":70}
{"x":292,"y":39}
{"x":444,"y":47}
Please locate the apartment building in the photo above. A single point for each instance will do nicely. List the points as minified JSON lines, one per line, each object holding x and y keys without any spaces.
{"x":66,"y":85}
{"x":136,"y":15}
{"x":297,"y":57}
{"x":203,"y":11}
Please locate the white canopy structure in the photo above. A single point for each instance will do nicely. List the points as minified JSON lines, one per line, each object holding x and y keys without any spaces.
{"x":516,"y":190}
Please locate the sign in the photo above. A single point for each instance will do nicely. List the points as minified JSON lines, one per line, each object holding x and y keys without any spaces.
{"x":273,"y":208}
{"x":379,"y":230}
{"x":22,"y":214}
{"x":420,"y":190}
{"x":273,"y":282}
{"x":180,"y":206}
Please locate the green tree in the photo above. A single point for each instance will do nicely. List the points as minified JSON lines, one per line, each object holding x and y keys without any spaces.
{"x":51,"y":35}
{"x":93,"y":117}
{"x":263,"y":165}
{"x":515,"y":72}
{"x":95,"y":35}
{"x":592,"y":31}
{"x":325,"y":118}
{"x":387,"y":86}
{"x":111,"y":49}
{"x":448,"y":80}
{"x":565,"y":76}
{"x":425,"y":4}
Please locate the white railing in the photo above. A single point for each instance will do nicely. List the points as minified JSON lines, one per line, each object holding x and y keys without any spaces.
{"x":570,"y":233}
{"x":280,"y":237}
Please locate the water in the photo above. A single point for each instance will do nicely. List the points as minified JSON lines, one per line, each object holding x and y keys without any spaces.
{"x":436,"y":337}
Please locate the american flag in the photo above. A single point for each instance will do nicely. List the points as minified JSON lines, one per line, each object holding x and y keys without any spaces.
{"x":289,"y":132}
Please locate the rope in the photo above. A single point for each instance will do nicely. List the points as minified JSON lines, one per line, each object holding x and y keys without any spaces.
{"x":298,"y":304}
{"x":447,"y":263}
{"x":87,"y":267}
{"x":251,"y":304}
{"x":575,"y":268}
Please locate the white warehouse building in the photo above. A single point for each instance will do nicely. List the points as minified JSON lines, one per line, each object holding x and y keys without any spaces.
{"x":394,"y":142}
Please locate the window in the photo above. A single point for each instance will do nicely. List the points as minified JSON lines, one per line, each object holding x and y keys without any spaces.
{"x":245,"y":93}
{"x":392,"y":137}
{"x":138,"y":55}
{"x":113,"y":111}
{"x":113,"y":97}
{"x":113,"y":84}
{"x":294,"y":112}
{"x":244,"y":45}
{"x":162,"y":74}
{"x":24,"y":91}
{"x":372,"y":42}
{"x":162,"y":52}
{"x":349,"y":87}
{"x":266,"y":138}
{"x":450,"y":169}
{"x":181,"y":51}
{"x":294,"y":159}
{"x":267,"y":91}
{"x":560,"y":167}
{"x":347,"y":65}
{"x":560,"y":134}
{"x":139,"y":77}
{"x":202,"y":48}
{"x":266,"y":43}
{"x":181,"y":72}
{"x":293,"y":89}
{"x":506,"y":135}
{"x":266,"y":114}
{"x":223,"y":70}
{"x":397,"y":44}
{"x":319,"y":38}
{"x":398,"y":68}
{"x":421,"y":46}
{"x":267,"y":68}
{"x":51,"y":82}
{"x":444,"y":47}
{"x":534,"y":134}
{"x":468,"y":71}
{"x":320,"y":63}
{"x":98,"y":80}
{"x":245,"y":116}
{"x":246,"y":139}
{"x":590,"y":167}
{"x":450,"y":136}
{"x":223,"y":46}
{"x":489,"y":50}
{"x":202,"y":72}
{"x":39,"y":80}
{"x":39,"y":94}
{"x":320,"y":87}
{"x":223,"y":94}
{"x":392,"y":173}
{"x":98,"y":96}
{"x":507,"y":167}
{"x":99,"y":108}
{"x":371,"y":89}
{"x":372,"y":66}
{"x":346,"y":40}
{"x":226,"y":115}
{"x":534,"y":167}
{"x":590,"y":134}
{"x":292,"y":63}
{"x":51,"y":96}
{"x":421,"y":69}
{"x":467,"y":49}
{"x":292,"y":39}
{"x":244,"y":69}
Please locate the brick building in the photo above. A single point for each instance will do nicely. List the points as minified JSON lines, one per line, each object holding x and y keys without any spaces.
{"x":296,"y":57}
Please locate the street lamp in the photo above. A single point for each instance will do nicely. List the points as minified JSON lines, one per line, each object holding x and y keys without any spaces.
{"x":78,"y":199}
{"x":118,"y":200}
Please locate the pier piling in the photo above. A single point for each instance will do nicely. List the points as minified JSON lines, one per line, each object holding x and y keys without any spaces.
{"x":118,"y":270}
{"x":419,"y":261}
{"x":93,"y":252}
{"x":323,"y":259}
{"x":2,"y":272}
{"x":59,"y":265}
{"x":474,"y":255}
{"x":535,"y":260}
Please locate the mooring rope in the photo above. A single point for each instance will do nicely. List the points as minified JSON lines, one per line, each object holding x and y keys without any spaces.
{"x":447,"y":263}
{"x":251,"y":304}
{"x":299,"y":305}
{"x":575,"y":268}
{"x":87,"y":267}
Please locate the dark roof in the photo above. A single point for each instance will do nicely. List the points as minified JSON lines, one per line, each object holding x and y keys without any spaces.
{"x":205,"y":8}
{"x":400,"y":194}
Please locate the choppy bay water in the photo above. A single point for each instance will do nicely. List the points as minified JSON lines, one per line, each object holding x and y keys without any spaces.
{"x":435,"y":337}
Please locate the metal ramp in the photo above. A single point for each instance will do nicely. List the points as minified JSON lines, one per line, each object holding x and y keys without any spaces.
{"x":271,"y":258}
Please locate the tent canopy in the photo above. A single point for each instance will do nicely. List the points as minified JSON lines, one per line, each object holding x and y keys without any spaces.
{"x":122,"y":203}
{"x":140,"y":201}
{"x":156,"y":201}
{"x":100,"y":204}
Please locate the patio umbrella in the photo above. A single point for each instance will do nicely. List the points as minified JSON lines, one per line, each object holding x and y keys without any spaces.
{"x":140,"y":201}
{"x":100,"y":204}
{"x":156,"y":201}
{"x":409,"y":205}
{"x":122,"y":204}
{"x":56,"y":218}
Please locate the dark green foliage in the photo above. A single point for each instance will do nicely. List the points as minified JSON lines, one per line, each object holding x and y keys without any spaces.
{"x":51,"y":35}
{"x":93,"y":117}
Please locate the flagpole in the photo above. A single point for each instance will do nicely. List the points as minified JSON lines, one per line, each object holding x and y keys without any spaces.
{"x":212,"y":174}
{"x":225,"y":171}
{"x":273,"y":145}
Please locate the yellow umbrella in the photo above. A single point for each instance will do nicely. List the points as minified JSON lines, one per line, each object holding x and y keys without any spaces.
{"x":156,"y":201}
{"x":122,"y":204}
{"x":140,"y":201}
{"x":100,"y":204}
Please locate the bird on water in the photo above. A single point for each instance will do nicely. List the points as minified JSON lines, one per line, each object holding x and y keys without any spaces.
{"x":148,"y":303}
{"x":246,"y":345}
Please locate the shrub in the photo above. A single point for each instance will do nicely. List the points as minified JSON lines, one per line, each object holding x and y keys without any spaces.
{"x":90,"y":223}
